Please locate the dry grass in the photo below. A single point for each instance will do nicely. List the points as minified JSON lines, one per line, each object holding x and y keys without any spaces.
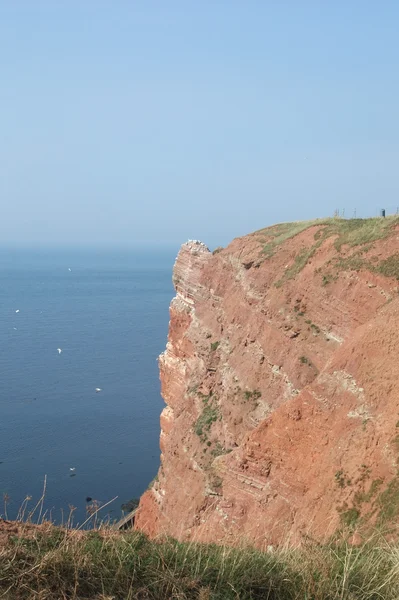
{"x":355,"y":236}
{"x":280,"y":233}
{"x":49,"y":563}
{"x":347,"y":232}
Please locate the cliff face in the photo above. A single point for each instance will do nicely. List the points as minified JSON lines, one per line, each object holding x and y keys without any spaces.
{"x":281,"y":383}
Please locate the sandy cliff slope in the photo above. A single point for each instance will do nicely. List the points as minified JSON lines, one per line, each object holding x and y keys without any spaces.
{"x":281,"y":383}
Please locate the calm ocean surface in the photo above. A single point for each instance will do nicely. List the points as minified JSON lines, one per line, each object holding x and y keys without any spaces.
{"x":109,"y":315}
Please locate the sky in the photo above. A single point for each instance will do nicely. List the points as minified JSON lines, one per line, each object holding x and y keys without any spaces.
{"x":152,"y":122}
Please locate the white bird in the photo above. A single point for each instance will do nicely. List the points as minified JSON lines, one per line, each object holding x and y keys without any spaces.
{"x":15,"y":328}
{"x":98,"y":390}
{"x":59,"y":350}
{"x":72,"y":468}
{"x":69,"y":269}
{"x":17,"y":310}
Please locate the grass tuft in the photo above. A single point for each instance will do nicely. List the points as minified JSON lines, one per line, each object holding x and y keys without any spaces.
{"x":54,"y":564}
{"x":390,"y":266}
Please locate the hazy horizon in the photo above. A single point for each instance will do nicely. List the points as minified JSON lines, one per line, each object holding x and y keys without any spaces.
{"x":148,"y":123}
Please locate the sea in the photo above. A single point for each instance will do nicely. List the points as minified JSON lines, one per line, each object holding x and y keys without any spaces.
{"x":73,"y":321}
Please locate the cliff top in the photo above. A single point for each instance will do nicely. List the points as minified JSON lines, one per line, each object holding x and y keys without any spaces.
{"x":353,"y":232}
{"x":349,"y":244}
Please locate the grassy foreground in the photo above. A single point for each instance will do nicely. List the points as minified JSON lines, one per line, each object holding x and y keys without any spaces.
{"x":51,"y":563}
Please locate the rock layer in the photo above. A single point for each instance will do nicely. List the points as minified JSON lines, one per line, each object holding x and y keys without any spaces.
{"x":280,"y":378}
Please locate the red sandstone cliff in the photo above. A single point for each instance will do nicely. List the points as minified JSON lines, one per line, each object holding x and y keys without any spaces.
{"x":281,"y":383}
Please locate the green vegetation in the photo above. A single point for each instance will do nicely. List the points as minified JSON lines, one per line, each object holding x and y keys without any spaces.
{"x":218,"y":450}
{"x":342,"y":479}
{"x":383,"y":506}
{"x":389,"y":267}
{"x":354,"y":262}
{"x":365,"y":473}
{"x":209,"y":415}
{"x":304,"y":360}
{"x":216,"y":482}
{"x":214,"y":346}
{"x":351,"y":233}
{"x":350,"y":517}
{"x":315,"y":328}
{"x":252,"y":394}
{"x":361,"y":497}
{"x":301,"y":260}
{"x":328,"y":278}
{"x":355,"y":232}
{"x":282,"y":232}
{"x":388,"y":502}
{"x":395,"y":442}
{"x":48,"y":563}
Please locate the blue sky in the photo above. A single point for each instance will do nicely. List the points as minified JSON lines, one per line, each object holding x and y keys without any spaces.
{"x":144,"y":121}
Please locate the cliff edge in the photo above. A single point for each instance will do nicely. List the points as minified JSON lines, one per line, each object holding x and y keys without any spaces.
{"x":281,"y":383}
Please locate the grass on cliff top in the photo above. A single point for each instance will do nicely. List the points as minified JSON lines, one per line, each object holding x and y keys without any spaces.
{"x":54,"y":564}
{"x":351,"y":232}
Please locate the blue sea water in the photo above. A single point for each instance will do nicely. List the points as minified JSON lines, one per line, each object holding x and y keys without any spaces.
{"x":109,"y":315}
